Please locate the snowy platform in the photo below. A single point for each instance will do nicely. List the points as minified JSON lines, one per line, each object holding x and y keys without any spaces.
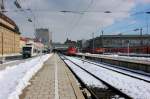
{"x":53,"y":81}
{"x":14,"y":78}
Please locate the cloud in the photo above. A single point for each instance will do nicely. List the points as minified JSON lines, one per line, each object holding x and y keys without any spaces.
{"x":76,"y":26}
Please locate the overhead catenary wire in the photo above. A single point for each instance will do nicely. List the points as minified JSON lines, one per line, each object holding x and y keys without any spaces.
{"x":131,"y":30}
{"x":132,"y":14}
{"x":81,"y":16}
{"x":81,"y":13}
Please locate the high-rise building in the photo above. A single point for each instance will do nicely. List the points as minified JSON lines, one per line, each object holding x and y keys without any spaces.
{"x":44,"y":36}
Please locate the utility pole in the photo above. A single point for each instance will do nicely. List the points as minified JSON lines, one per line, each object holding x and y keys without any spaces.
{"x":102,"y":38}
{"x":147,"y":22}
{"x":141,"y":31}
{"x":93,"y":42}
{"x":141,"y":34}
{"x":128,"y":47}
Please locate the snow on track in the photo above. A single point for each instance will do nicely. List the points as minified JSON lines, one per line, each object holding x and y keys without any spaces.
{"x":116,"y":56}
{"x":85,"y":77}
{"x":14,"y":79}
{"x":133,"y":57}
{"x":129,"y":72}
{"x":146,"y":59}
{"x":135,"y":88}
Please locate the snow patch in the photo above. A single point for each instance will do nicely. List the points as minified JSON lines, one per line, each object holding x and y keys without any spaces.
{"x":14,"y":79}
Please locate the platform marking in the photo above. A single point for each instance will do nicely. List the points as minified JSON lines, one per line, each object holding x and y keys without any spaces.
{"x":56,"y":80}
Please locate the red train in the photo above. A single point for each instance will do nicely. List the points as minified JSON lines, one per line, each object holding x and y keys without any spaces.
{"x":139,"y":50}
{"x":71,"y":51}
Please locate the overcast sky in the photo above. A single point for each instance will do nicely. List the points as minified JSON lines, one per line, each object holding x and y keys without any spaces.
{"x":74,"y":25}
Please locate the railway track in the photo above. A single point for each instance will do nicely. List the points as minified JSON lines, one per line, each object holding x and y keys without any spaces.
{"x":139,"y":84}
{"x":132,"y":73}
{"x":94,"y":96}
{"x":117,"y":91}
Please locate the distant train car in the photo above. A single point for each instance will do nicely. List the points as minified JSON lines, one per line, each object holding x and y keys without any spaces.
{"x":99,"y":50}
{"x":31,"y":50}
{"x":71,"y":51}
{"x":28,"y":52}
{"x":95,"y":50}
{"x":136,"y":49}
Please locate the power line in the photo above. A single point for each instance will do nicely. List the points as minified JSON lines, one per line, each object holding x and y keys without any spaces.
{"x":132,"y":30}
{"x":81,"y":16}
{"x":82,"y":12}
{"x":133,"y":14}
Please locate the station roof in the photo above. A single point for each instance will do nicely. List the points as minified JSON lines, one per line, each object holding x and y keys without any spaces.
{"x":125,"y":36}
{"x":11,"y":22}
{"x":7,"y":19}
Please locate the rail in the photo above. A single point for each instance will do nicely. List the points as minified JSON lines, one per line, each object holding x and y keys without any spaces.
{"x":142,"y":74}
{"x":104,"y":82}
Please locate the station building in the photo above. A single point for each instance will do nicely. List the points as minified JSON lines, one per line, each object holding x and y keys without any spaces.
{"x":9,"y":37}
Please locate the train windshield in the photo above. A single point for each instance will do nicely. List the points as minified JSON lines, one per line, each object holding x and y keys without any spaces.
{"x":27,"y":49}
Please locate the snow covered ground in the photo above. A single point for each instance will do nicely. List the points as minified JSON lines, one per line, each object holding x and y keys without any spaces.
{"x":14,"y":79}
{"x":135,"y":88}
{"x":124,"y":70}
{"x":128,"y":57}
{"x":122,"y":57}
{"x":9,"y":62}
{"x":146,"y":59}
{"x":85,"y":77}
